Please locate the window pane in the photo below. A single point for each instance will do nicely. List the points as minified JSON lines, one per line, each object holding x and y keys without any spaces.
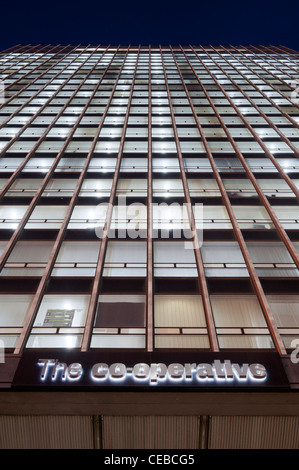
{"x":237,"y":311}
{"x":179,"y":311}
{"x":13,"y":309}
{"x":125,"y":259}
{"x":246,"y":342}
{"x":285,"y":309}
{"x":173,"y":258}
{"x":120,"y":311}
{"x":62,"y":310}
{"x":223,"y":259}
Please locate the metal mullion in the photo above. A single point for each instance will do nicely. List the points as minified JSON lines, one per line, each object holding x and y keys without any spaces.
{"x":256,"y":137}
{"x":11,"y":49}
{"x":29,"y":122}
{"x":150,"y":290}
{"x":3,"y":123}
{"x":282,"y":52}
{"x":199,"y":262}
{"x":288,"y":50}
{"x":249,"y":173}
{"x":31,"y":83}
{"x":39,"y":192}
{"x":30,"y":71}
{"x":250,"y":266}
{"x":20,"y":60}
{"x":59,"y":239}
{"x":274,"y":66}
{"x":104,"y":241}
{"x":268,"y":71}
{"x":282,"y":136}
{"x":271,"y":65}
{"x":287,"y":116}
{"x":279,"y":54}
{"x":18,"y":52}
{"x":43,"y":136}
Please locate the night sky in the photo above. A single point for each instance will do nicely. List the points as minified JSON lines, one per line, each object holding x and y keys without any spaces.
{"x":150,"y":22}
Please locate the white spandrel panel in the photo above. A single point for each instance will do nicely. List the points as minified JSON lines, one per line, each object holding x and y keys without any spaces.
{"x":78,"y":252}
{"x":46,"y":217}
{"x":134,"y":164}
{"x":118,"y":341}
{"x":135,"y":147}
{"x":10,"y":216}
{"x":54,"y":341}
{"x":60,"y":187}
{"x":38,"y":165}
{"x":31,"y":251}
{"x":125,"y":259}
{"x":13,"y":309}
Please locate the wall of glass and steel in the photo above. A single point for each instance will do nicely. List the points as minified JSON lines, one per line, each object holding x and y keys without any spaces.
{"x":149,"y":198}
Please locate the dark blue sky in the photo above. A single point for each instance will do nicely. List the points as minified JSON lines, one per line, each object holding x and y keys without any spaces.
{"x":150,"y":22}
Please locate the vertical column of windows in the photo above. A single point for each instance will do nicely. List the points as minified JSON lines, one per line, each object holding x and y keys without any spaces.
{"x":30,"y":214}
{"x":118,"y":321}
{"x":150,"y":258}
{"x":264,"y":147}
{"x":191,"y":331}
{"x":67,"y":255}
{"x":15,"y":117}
{"x":259,"y":191}
{"x":24,"y":78}
{"x":272,"y":145}
{"x":269,"y":91}
{"x":275,"y":75}
{"x":13,"y":58}
{"x":17,"y":144}
{"x":274,"y":61}
{"x":65,"y":213}
{"x":244,"y":250}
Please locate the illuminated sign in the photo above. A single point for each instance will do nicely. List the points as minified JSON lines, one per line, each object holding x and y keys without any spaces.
{"x":154,"y":373}
{"x":157,"y":370}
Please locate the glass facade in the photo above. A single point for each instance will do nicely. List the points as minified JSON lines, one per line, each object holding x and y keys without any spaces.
{"x":149,"y":198}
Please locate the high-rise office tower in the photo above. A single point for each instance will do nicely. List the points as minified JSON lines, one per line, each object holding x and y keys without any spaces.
{"x":149,"y":245}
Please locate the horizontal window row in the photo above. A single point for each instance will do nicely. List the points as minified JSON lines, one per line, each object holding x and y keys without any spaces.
{"x":157,"y":110}
{"x":142,"y":133}
{"x":140,"y":165}
{"x":129,"y":259}
{"x":179,"y":321}
{"x":144,"y":101}
{"x":169,"y":147}
{"x":137,"y":187}
{"x":133,"y":219}
{"x":143,"y":120}
{"x":86,"y":91}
